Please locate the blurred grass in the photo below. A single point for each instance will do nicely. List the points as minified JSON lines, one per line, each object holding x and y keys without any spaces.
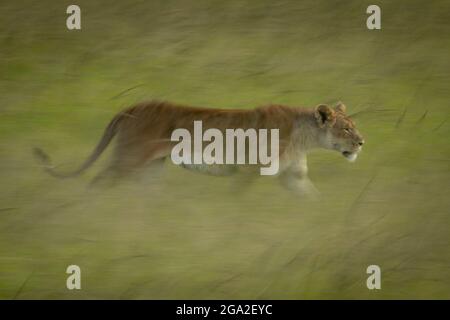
{"x":190,"y":236}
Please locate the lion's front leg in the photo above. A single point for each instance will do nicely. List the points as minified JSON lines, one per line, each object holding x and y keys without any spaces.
{"x":295,"y":178}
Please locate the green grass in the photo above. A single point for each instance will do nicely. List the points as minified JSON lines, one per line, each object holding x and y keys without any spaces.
{"x":191,"y":236}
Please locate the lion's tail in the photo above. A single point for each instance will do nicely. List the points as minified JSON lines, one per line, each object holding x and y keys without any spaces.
{"x":108,"y":135}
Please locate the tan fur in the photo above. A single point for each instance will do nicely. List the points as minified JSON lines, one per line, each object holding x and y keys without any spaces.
{"x":144,"y":130}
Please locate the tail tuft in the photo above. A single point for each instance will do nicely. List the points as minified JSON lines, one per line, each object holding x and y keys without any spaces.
{"x":109,"y":133}
{"x":41,"y":156}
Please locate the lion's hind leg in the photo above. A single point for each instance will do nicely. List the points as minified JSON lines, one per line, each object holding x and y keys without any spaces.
{"x":127,"y":164}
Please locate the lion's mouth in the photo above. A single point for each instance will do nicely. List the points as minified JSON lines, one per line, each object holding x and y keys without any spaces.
{"x":346,"y":153}
{"x":351,"y":156}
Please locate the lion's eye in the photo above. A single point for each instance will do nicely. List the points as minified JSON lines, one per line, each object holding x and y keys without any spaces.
{"x":347,"y":130}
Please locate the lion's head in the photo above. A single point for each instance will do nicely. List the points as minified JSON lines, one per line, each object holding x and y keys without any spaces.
{"x":339,"y":131}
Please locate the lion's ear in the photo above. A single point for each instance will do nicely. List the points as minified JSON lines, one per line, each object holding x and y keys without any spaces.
{"x":325,"y":116}
{"x":340,"y":107}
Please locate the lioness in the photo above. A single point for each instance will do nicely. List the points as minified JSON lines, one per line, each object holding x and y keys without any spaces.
{"x":144,"y":131}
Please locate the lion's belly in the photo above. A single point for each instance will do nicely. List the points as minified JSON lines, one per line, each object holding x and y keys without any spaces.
{"x":214,"y":170}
